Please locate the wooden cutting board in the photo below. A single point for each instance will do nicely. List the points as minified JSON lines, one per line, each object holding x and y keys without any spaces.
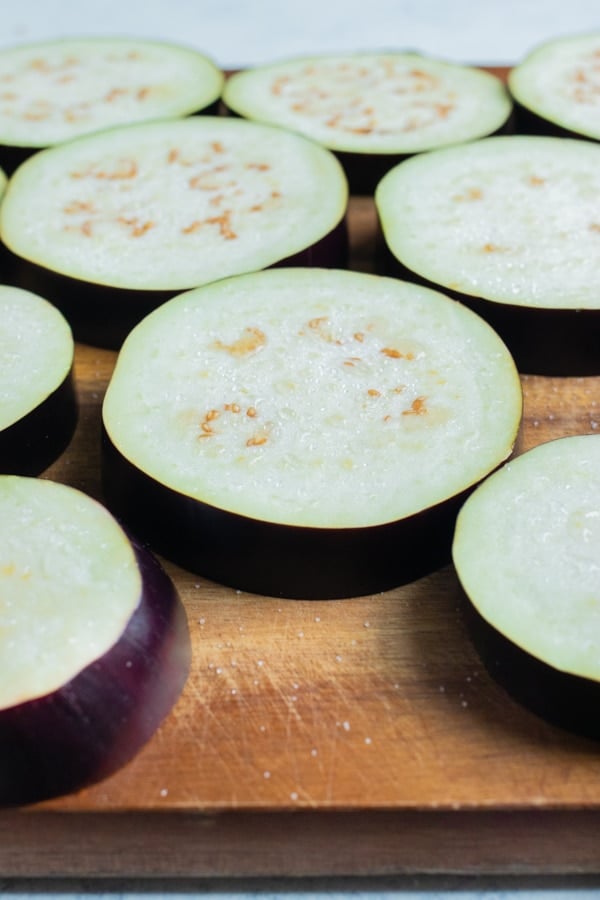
{"x":359,"y":736}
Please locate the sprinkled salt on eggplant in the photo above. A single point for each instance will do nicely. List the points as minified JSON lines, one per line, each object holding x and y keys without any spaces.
{"x":110,"y":225}
{"x":53,"y":91}
{"x":557,"y":87}
{"x":306,"y":432}
{"x":526,"y":551}
{"x":511,"y":226}
{"x":372,"y":108}
{"x":94,"y":648}
{"x":38,"y":405}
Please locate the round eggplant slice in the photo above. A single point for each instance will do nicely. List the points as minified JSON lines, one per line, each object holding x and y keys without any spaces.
{"x":556,"y":88}
{"x":109,"y":226}
{"x":511,"y":227}
{"x":94,"y":645}
{"x":38,"y":403}
{"x":372,"y":109}
{"x":526,"y":553}
{"x":57,"y":90}
{"x":306,"y":433}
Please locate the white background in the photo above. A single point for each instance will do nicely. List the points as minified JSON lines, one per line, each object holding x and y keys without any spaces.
{"x":242,"y":32}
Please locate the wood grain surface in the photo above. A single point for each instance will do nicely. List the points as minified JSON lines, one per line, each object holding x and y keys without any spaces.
{"x":357,"y":736}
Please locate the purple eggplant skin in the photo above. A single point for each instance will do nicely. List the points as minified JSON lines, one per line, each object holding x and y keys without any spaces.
{"x":364,"y":171}
{"x":103,"y":315}
{"x":273,"y":559}
{"x":560,"y":342}
{"x":95,"y":724}
{"x":559,"y":698}
{"x":527,"y":121}
{"x":34,"y":442}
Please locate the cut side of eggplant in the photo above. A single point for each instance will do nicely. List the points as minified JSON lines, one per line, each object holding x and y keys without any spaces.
{"x":38,"y":403}
{"x":511,"y":227}
{"x":57,"y":90}
{"x":526,"y":553}
{"x":372,"y":109}
{"x":94,"y":646}
{"x":556,"y":88}
{"x":111,"y":225}
{"x":306,"y":432}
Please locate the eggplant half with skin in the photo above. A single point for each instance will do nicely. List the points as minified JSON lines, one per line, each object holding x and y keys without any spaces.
{"x":54,"y":91}
{"x":511,"y":227}
{"x":306,"y":432}
{"x":526,"y":553}
{"x":94,"y":644}
{"x":38,"y":403}
{"x":556,"y":88}
{"x":110,"y":225}
{"x":372,"y":109}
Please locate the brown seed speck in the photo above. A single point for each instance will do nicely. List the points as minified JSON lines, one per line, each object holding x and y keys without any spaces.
{"x":257,"y":440}
{"x":252,"y":339}
{"x":417,"y":407}
{"x":394,"y":353}
{"x":77,"y":206}
{"x":114,"y":94}
{"x":194,"y":226}
{"x":470,"y":194}
{"x":493,"y":248}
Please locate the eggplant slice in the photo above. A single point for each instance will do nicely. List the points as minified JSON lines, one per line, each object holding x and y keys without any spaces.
{"x":94,"y":644}
{"x":526,"y":551}
{"x":556,"y":88}
{"x":372,"y":109}
{"x":306,"y":433}
{"x":109,"y":226}
{"x":511,"y":227}
{"x":54,"y":91}
{"x":38,"y":402}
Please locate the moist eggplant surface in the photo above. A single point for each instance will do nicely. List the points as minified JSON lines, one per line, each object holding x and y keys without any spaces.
{"x":60,"y":89}
{"x":38,"y":404}
{"x":557,"y":87}
{"x":372,"y":109}
{"x":511,"y":226}
{"x":304,"y":408}
{"x":94,"y":648}
{"x":526,"y":553}
{"x":109,"y":225}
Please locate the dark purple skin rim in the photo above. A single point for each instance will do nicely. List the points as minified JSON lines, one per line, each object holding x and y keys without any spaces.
{"x":527,"y":121}
{"x":36,"y":440}
{"x":103,"y":316}
{"x":273,"y":559}
{"x":561,"y":342}
{"x":12,"y":156}
{"x":98,"y":721}
{"x":570,"y":702}
{"x":364,"y":171}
